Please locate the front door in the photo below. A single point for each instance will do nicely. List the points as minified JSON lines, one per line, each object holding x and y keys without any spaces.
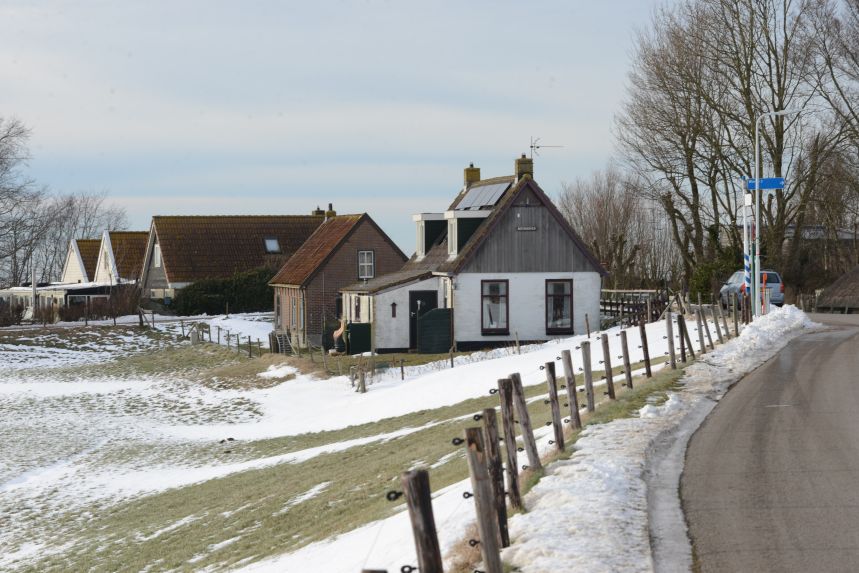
{"x":420,"y":301}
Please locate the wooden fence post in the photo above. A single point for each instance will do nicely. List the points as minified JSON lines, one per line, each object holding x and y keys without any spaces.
{"x":724,"y":320}
{"x":734,"y":313}
{"x":700,"y":334}
{"x":680,"y":326}
{"x":487,"y":522}
{"x":557,"y":425}
{"x":416,"y":490}
{"x":451,"y":356}
{"x":182,"y":324}
{"x":669,"y":331}
{"x":627,"y":367}
{"x":706,"y":327}
{"x":609,"y":376}
{"x":505,"y":393}
{"x":588,"y":325}
{"x":362,"y":382}
{"x":642,"y":327}
{"x":496,"y":472}
{"x":589,"y":376}
{"x":572,"y":395}
{"x":402,"y":369}
{"x":716,"y":323}
{"x":525,"y":423}
{"x":685,"y":334}
{"x":250,"y":348}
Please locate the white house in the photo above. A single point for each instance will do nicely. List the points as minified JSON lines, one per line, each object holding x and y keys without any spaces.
{"x":81,"y":260}
{"x":501,"y":259}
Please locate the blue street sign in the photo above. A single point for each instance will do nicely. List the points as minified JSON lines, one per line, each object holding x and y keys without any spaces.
{"x":767,"y":183}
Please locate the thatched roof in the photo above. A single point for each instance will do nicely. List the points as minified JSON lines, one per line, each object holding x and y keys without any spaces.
{"x":844,"y":292}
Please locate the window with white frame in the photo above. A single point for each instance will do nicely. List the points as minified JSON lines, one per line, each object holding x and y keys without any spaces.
{"x":559,"y":306}
{"x":366,"y":264}
{"x":494,"y":307}
{"x":156,"y":256}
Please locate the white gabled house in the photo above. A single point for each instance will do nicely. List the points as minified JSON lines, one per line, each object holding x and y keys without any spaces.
{"x":503,"y":261}
{"x":81,"y":259}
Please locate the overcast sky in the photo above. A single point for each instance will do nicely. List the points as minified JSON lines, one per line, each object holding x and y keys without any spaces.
{"x":274,"y":107}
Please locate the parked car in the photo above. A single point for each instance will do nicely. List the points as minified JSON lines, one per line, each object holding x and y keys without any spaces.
{"x":735,"y":285}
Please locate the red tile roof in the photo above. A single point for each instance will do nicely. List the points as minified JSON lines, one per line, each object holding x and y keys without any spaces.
{"x":316,"y":250}
{"x":129,"y":248}
{"x":88,"y":249}
{"x":219,"y":246}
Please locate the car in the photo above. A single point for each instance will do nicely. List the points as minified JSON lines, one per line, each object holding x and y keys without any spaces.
{"x":736,"y":285}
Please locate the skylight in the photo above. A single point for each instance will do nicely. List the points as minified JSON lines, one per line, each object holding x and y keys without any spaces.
{"x":272,"y":245}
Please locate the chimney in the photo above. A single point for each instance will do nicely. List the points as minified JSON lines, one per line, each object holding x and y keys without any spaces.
{"x":471,"y":174}
{"x":330,"y":212}
{"x":318,"y":212}
{"x":524,"y":167}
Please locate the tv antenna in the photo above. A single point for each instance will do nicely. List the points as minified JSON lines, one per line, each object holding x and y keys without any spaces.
{"x":536,"y":146}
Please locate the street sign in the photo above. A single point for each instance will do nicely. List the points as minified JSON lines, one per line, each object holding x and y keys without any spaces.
{"x":767,"y":183}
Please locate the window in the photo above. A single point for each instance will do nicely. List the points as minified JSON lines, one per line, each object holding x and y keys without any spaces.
{"x":451,"y":237}
{"x":393,"y":310}
{"x":294,"y":320}
{"x":366,"y":264}
{"x":494,"y":306}
{"x":156,"y":256}
{"x":559,"y":306}
{"x":272,"y":245}
{"x":357,"y":316}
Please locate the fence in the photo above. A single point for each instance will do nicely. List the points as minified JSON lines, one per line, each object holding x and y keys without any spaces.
{"x":628,"y":307}
{"x":493,"y":455}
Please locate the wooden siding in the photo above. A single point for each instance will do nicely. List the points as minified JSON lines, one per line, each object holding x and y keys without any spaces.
{"x":547,"y":249}
{"x":340,"y":270}
{"x":156,"y":278}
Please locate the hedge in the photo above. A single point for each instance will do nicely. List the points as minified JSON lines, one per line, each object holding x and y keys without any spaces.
{"x":245,"y":292}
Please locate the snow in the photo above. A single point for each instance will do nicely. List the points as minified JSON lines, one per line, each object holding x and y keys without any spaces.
{"x":590,"y":512}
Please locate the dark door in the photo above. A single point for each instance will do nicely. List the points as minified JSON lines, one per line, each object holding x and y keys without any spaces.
{"x":420,"y":301}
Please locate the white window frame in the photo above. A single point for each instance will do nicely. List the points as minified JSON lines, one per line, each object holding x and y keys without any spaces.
{"x":363,"y":265}
{"x":156,"y":256}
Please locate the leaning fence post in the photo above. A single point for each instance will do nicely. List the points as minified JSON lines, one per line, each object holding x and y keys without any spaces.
{"x":627,"y":367}
{"x":505,"y":393}
{"x":716,"y":323}
{"x":681,"y":320}
{"x":706,"y":327}
{"x":734,"y":313}
{"x":680,"y":326}
{"x":700,"y":333}
{"x":589,"y":376}
{"x":609,"y":376}
{"x":487,"y":523}
{"x":572,"y":395}
{"x":416,"y":490}
{"x":525,"y":423}
{"x":724,"y":320}
{"x":496,"y":471}
{"x":557,"y":425}
{"x":644,"y":348}
{"x":669,"y":332}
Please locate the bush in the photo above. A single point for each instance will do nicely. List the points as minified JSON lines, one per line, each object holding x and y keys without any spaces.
{"x":244,"y":292}
{"x":10,"y":314}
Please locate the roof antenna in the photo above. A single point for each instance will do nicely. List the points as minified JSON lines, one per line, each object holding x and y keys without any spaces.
{"x":536,"y":145}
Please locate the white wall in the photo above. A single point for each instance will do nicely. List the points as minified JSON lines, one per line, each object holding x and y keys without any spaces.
{"x":394,"y":332}
{"x":72,"y":271}
{"x":527,"y":292}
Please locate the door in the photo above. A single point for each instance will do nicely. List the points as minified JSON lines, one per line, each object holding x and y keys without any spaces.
{"x":420,"y":301}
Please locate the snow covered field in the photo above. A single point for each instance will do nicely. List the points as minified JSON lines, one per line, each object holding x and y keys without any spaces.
{"x":111,"y":423}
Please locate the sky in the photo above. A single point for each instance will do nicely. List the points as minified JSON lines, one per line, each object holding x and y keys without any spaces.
{"x":208,"y":107}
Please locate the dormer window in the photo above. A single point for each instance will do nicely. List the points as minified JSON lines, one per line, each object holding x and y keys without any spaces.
{"x":272,"y":245}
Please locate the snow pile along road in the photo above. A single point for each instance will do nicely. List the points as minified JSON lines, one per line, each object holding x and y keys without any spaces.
{"x":590,"y":513}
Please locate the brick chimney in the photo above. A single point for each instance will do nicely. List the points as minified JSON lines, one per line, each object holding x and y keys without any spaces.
{"x":524,"y":167}
{"x":330,"y":212}
{"x":318,"y":212}
{"x":471,"y":174}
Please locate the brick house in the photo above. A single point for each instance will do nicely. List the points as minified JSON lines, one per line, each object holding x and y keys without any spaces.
{"x":345,"y":248}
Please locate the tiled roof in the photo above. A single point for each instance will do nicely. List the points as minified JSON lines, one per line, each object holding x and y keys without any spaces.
{"x":315,"y":251}
{"x":129,"y":248}
{"x":198,"y":247}
{"x":88,"y":249}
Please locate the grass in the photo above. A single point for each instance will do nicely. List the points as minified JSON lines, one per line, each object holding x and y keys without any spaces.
{"x":185,"y":529}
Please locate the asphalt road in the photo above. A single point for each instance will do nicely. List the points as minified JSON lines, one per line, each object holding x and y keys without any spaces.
{"x":771,"y":480}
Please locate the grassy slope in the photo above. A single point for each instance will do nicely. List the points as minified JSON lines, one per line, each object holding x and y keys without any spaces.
{"x":254,"y":506}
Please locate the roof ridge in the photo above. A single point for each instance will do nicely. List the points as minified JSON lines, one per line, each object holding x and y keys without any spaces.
{"x":225,"y":216}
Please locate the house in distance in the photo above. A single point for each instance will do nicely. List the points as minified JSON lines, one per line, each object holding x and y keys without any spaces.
{"x":500,"y":264}
{"x":342,"y":250}
{"x":182,"y":250}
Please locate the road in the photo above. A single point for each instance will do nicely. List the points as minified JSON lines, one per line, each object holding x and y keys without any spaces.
{"x":771,"y":480}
